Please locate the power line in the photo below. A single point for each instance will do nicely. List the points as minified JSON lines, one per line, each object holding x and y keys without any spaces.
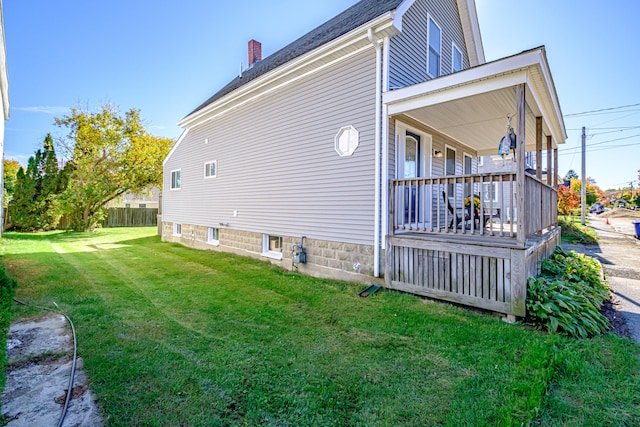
{"x":573,"y":151}
{"x":603,"y":109}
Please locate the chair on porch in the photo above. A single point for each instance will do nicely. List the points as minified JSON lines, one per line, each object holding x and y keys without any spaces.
{"x":459,"y":219}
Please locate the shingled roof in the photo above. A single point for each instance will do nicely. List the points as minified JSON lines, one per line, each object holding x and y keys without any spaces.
{"x":352,"y":18}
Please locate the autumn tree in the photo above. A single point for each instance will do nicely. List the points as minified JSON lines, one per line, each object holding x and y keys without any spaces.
{"x":11,"y":168}
{"x":593,"y":192}
{"x":109,"y":154}
{"x":35,"y":202}
{"x":567,"y":200}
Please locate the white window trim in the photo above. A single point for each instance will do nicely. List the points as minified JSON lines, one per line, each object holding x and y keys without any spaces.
{"x":455,"y":47}
{"x":426,"y":141}
{"x":210,"y":239}
{"x":455,"y":159}
{"x":430,"y":18}
{"x":265,"y":247}
{"x":177,"y":225}
{"x":215,"y":162}
{"x":464,"y":155}
{"x":495,"y":192}
{"x":171,"y":187}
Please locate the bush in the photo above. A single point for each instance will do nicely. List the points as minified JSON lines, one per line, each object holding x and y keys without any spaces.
{"x":574,"y":232}
{"x":567,"y":295}
{"x":7,"y":291}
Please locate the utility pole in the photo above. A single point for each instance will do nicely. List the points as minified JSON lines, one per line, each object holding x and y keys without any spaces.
{"x":583,"y":187}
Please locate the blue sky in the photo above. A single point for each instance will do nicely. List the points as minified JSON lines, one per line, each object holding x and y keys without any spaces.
{"x":166,"y":57}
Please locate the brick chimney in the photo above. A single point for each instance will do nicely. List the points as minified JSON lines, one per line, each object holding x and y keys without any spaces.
{"x":255,"y":52}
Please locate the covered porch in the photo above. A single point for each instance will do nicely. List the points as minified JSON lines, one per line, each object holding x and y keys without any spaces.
{"x":456,"y":229}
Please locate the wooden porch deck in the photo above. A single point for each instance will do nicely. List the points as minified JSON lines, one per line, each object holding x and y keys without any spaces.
{"x":484,"y":266}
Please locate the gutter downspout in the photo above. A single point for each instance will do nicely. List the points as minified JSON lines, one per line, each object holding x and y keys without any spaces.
{"x":376,"y":232}
{"x":384,"y":141}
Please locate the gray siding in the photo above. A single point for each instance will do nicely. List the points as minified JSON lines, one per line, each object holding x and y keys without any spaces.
{"x":277,"y":166}
{"x":408,"y":52}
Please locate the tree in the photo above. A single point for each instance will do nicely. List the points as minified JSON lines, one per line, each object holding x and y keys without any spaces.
{"x":593,"y":193}
{"x":571,"y":174}
{"x":11,"y":168}
{"x":110,"y":154}
{"x":567,"y":200}
{"x":35,"y":202}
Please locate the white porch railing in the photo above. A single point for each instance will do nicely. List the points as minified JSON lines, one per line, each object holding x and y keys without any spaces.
{"x":474,"y":205}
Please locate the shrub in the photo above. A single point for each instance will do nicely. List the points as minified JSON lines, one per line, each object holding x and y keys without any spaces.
{"x":574,"y":232}
{"x":7,"y":291}
{"x":567,"y":295}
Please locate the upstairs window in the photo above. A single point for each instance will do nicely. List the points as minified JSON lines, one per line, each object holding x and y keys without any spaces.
{"x":175,"y":179}
{"x":210,"y":169}
{"x":434,"y":34}
{"x":456,"y":59}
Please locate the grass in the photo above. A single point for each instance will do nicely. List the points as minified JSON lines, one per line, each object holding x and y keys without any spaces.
{"x":175,"y":336}
{"x":574,"y":232}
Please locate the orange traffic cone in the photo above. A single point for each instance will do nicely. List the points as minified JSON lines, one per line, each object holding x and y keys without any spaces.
{"x":607,"y":221}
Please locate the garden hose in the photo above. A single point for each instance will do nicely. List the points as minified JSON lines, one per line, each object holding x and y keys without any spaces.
{"x":74,"y":361}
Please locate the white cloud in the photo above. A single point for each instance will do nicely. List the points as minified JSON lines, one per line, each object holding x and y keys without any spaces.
{"x":43,"y":109}
{"x":22,"y":158}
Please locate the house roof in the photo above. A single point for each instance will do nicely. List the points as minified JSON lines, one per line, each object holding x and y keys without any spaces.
{"x":357,"y":15}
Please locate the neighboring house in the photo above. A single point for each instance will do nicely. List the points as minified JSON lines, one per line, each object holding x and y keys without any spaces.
{"x":363,"y":136}
{"x":144,"y":199}
{"x":4,"y":107}
{"x":620,"y":203}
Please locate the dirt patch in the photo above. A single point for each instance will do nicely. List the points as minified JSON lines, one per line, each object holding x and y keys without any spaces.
{"x":40,"y":357}
{"x":621,"y":213}
{"x":618,"y":323}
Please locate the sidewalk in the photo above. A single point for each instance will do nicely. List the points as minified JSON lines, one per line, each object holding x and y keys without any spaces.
{"x":619,"y":253}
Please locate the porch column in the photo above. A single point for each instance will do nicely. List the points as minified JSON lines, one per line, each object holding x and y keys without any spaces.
{"x":539,"y":148}
{"x":520,"y":150}
{"x":555,"y":167}
{"x":549,"y":169}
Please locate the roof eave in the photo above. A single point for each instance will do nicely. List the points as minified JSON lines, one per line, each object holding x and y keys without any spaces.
{"x":471,"y":31}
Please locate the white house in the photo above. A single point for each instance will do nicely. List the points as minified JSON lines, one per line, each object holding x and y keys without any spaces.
{"x":359,"y":142}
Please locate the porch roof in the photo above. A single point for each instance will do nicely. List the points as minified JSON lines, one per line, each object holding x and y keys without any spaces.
{"x":472,"y":106}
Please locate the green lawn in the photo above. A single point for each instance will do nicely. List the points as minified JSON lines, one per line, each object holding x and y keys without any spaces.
{"x":173,"y":336}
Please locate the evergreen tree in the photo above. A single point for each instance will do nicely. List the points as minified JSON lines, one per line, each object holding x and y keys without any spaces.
{"x":35,"y":202}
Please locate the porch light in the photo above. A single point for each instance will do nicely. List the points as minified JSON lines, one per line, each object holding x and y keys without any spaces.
{"x":437,"y":153}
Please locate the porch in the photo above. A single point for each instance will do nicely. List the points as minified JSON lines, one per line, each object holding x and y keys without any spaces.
{"x":480,"y":254}
{"x":472,"y":236}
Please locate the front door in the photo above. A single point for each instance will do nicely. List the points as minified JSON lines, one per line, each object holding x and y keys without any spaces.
{"x":413,"y":160}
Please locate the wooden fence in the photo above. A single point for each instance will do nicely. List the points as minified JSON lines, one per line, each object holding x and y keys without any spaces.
{"x":131,"y":217}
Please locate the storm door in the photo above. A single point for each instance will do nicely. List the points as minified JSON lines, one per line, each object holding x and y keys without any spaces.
{"x":413,"y":161}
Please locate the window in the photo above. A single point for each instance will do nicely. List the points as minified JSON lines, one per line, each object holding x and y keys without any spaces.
{"x":272,"y":246}
{"x":412,"y":156}
{"x":490,"y":192}
{"x":127,"y":205}
{"x":528,"y":160}
{"x":434,"y":34}
{"x":456,"y":59}
{"x":450,"y":167}
{"x":210,"y":169}
{"x":467,"y":169}
{"x":175,"y":179}
{"x":213,"y":236}
{"x":346,"y":141}
{"x":177,"y":229}
{"x":142,"y":205}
